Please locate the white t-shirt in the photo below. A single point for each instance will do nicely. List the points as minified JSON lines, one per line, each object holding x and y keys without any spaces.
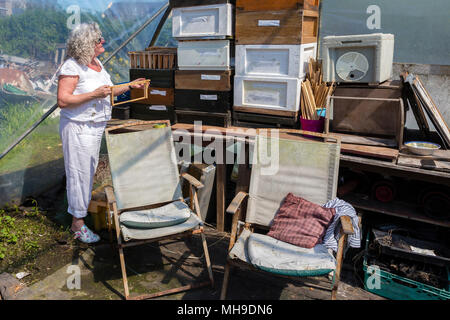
{"x":95,"y":110}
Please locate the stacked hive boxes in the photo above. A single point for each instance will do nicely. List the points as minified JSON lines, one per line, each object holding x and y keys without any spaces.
{"x":274,"y":42}
{"x":203,"y":81}
{"x":157,"y":64}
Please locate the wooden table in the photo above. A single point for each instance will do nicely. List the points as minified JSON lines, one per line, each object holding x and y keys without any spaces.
{"x":207,"y":135}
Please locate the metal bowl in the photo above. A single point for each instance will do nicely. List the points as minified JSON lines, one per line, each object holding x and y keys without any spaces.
{"x":422,"y":148}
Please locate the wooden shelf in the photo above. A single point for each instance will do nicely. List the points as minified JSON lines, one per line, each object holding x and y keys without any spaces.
{"x":396,"y":209}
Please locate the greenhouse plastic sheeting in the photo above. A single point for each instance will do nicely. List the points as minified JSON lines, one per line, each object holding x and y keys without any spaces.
{"x":421,"y":28}
{"x":32,"y":47}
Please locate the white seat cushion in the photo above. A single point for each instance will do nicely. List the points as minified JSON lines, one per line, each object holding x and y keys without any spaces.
{"x":272,"y":255}
{"x":171,"y":214}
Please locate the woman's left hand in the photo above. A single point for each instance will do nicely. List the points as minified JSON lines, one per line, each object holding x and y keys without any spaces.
{"x":137,"y":86}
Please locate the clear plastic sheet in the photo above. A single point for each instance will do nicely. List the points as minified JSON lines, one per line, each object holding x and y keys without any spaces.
{"x":32,"y":47}
{"x":421,"y":28}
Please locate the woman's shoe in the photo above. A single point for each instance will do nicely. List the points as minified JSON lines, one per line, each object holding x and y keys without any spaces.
{"x":85,"y":235}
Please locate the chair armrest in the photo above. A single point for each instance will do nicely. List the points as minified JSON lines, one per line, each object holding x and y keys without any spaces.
{"x":236,"y":203}
{"x":110,"y":197}
{"x":346,"y":224}
{"x":197,"y":184}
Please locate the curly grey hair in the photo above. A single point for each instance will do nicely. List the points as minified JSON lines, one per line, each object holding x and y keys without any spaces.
{"x":81,"y":42}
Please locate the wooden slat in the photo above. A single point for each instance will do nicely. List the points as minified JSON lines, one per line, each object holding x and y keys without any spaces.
{"x":267,"y":5}
{"x":280,"y":113}
{"x":370,"y":151}
{"x":423,"y":163}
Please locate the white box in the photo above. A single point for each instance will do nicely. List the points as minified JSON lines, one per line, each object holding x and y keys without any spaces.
{"x":363,"y":58}
{"x":204,"y":55}
{"x":211,"y":21}
{"x":281,"y":94}
{"x":274,"y":60}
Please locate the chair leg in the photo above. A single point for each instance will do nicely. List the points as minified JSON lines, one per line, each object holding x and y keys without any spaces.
{"x":339,"y":259}
{"x":226,"y":278}
{"x":124,"y":273}
{"x":207,"y":259}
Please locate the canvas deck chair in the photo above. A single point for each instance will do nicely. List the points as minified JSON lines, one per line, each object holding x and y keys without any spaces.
{"x":307,"y":168}
{"x":146,"y":198}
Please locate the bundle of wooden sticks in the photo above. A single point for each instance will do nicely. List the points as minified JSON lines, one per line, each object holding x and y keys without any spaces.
{"x":315,"y":92}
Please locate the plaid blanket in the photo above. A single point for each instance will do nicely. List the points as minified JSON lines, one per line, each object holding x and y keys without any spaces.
{"x":301,"y":222}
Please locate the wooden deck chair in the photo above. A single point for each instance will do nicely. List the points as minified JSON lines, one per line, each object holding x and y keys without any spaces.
{"x":307,"y":168}
{"x":146,"y":198}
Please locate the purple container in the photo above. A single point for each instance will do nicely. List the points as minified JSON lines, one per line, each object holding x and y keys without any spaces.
{"x":312,"y":125}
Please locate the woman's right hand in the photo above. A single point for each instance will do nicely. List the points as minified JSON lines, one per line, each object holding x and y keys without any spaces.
{"x":102,"y":92}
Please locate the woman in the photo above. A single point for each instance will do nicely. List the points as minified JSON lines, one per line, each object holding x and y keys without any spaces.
{"x":83,"y":96}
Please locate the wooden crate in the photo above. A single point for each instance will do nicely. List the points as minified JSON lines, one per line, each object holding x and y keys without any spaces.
{"x":255,"y":120}
{"x":369,"y":110}
{"x":213,"y":21}
{"x":191,"y":3}
{"x":202,"y":100}
{"x":156,"y":96}
{"x":277,"y":26}
{"x":266,"y":5}
{"x":149,"y":112}
{"x":157,"y":58}
{"x":207,"y":118}
{"x":204,"y":80}
{"x":159,"y":78}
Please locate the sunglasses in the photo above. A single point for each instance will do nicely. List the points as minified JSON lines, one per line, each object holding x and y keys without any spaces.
{"x":99,"y":40}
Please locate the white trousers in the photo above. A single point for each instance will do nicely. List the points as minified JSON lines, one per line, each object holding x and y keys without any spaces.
{"x":81,"y":146}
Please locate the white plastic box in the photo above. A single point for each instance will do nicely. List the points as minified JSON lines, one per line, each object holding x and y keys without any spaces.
{"x":281,"y":94}
{"x":204,"y":55}
{"x":274,"y":60}
{"x":208,"y":22}
{"x":364,"y":58}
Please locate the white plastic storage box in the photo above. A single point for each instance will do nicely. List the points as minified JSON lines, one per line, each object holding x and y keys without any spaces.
{"x":204,"y":55}
{"x":281,"y":94}
{"x":212,"y":21}
{"x":274,"y":60}
{"x":364,"y":58}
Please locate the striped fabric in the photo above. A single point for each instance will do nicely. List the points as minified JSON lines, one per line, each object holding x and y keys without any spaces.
{"x":331,"y":237}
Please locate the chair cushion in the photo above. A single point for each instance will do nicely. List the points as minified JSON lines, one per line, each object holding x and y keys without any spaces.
{"x":301,"y":222}
{"x":275,"y":256}
{"x":171,"y":214}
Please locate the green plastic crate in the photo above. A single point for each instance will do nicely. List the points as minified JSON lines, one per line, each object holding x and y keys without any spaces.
{"x":394,"y":287}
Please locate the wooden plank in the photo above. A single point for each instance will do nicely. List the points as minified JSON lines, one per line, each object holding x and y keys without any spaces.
{"x":273,"y":112}
{"x":192,"y":3}
{"x":275,"y":27}
{"x":364,"y":140}
{"x":370,"y":151}
{"x":423,"y":163}
{"x":203,"y":80}
{"x":266,"y":5}
{"x":221,"y":179}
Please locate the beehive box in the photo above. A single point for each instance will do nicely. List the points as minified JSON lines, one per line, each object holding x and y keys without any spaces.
{"x":274,"y":60}
{"x":211,"y":21}
{"x":204,"y":80}
{"x":152,"y":112}
{"x":159,"y":78}
{"x":276,"y":26}
{"x":204,"y":55}
{"x":202,"y":100}
{"x":277,"y":94}
{"x":154,"y":58}
{"x":156,"y":96}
